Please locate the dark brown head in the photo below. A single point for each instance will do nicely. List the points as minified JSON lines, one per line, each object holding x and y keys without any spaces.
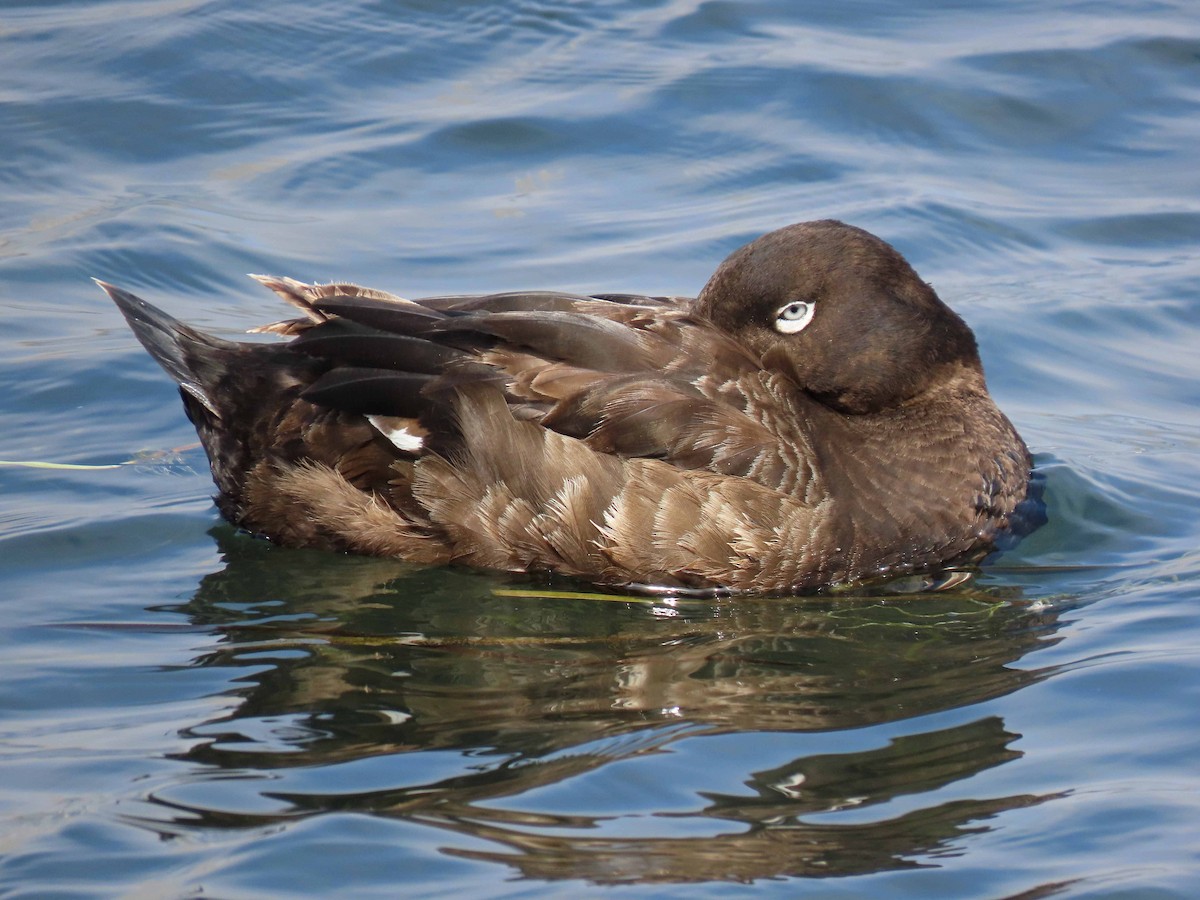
{"x":842,"y":312}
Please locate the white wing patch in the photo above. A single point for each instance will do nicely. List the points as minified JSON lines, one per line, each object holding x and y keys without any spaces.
{"x":405,"y":434}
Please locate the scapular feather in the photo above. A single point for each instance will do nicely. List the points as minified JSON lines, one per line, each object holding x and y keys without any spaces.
{"x":587,"y":341}
{"x":401,"y":318}
{"x":369,"y":391}
{"x":376,"y":349}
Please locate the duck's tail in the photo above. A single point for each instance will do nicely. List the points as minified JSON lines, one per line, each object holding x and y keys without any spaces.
{"x":231,"y":390}
{"x":196,"y":360}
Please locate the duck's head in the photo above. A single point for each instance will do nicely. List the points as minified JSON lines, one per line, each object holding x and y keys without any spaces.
{"x":841,"y":312}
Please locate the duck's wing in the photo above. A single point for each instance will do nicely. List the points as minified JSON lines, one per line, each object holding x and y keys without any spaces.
{"x":590,"y":436}
{"x":615,"y":438}
{"x":629,"y":375}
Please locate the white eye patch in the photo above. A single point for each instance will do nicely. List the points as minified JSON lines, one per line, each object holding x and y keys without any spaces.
{"x":794,"y":317}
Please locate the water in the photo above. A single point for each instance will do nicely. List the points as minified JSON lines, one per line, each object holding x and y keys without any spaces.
{"x":185,"y":711}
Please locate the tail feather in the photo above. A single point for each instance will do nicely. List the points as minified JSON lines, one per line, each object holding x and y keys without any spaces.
{"x":194,"y":359}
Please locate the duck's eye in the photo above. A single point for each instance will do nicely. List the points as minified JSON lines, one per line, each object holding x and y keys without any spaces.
{"x":794,"y":316}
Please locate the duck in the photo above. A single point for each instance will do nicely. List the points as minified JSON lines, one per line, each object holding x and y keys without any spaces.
{"x":815,"y":416}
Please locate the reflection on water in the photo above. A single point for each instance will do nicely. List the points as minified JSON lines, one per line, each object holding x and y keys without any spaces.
{"x":774,"y":838}
{"x":347,"y":659}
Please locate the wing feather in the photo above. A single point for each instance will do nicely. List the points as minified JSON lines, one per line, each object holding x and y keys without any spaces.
{"x":632,"y":376}
{"x":368,"y":391}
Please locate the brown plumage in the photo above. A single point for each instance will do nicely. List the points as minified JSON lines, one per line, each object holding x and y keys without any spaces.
{"x":816,"y":415}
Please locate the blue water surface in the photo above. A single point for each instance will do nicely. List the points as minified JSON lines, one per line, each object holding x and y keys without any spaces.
{"x":186,"y":711}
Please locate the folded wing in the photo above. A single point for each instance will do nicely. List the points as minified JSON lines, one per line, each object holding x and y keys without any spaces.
{"x":633,"y":376}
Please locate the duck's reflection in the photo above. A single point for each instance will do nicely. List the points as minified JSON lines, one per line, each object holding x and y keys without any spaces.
{"x":775,"y":839}
{"x":366,"y":659}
